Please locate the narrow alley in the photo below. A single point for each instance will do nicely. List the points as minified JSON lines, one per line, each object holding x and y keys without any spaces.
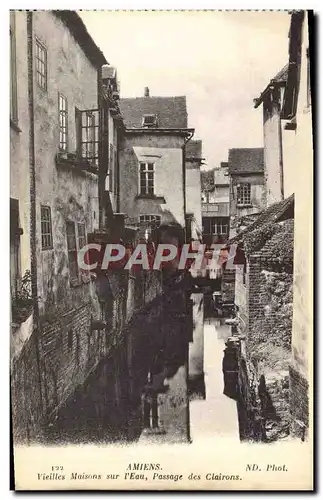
{"x":215,"y":416}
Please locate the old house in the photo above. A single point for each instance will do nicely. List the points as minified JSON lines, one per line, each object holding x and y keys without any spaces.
{"x":288,"y":146}
{"x":152,"y":160}
{"x":247,"y":187}
{"x":271,"y":100}
{"x":215,"y":207}
{"x":56,"y":153}
{"x":298,"y":175}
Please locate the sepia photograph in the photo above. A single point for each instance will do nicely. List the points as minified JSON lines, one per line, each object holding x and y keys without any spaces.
{"x":161,"y":249}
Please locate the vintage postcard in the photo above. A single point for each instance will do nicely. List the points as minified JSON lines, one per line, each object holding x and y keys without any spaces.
{"x":161,"y":250}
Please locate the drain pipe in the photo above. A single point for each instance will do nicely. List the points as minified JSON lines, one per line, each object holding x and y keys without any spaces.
{"x":32,"y":178}
{"x":186,"y":140}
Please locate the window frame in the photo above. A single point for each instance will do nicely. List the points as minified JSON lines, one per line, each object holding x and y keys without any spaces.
{"x":47,"y":233}
{"x":80,"y":245}
{"x":72,"y":264}
{"x":110,"y":171}
{"x":149,"y":227}
{"x":244,"y":194}
{"x":63,"y":127}
{"x":40,"y":45}
{"x":146,"y":171}
{"x":88,"y":134}
{"x":154,"y":123}
{"x":80,"y":241}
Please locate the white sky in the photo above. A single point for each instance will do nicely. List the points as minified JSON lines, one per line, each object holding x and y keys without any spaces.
{"x":219,"y":60}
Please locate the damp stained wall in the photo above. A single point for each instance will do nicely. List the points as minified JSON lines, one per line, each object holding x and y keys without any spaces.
{"x":71,"y":194}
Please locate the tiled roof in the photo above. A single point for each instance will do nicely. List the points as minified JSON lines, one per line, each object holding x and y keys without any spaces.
{"x":274,"y":213}
{"x":243,"y":160}
{"x":280,"y":78}
{"x":279,"y":248}
{"x":194,"y":149}
{"x":171,"y":111}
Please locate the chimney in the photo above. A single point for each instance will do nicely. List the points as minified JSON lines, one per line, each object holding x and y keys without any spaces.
{"x":146,"y":92}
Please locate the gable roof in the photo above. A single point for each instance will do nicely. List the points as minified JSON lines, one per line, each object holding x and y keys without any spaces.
{"x":246,"y":160}
{"x":78,"y":29}
{"x":171,"y":111}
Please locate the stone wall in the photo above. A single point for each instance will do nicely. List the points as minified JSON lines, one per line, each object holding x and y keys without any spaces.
{"x":264,"y":407}
{"x":299,"y":404}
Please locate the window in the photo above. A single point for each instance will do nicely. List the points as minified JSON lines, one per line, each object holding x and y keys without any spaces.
{"x":149,"y":121}
{"x":149,"y":223}
{"x":41,"y":65}
{"x":147,"y":178}
{"x":13,"y":69}
{"x":72,"y":250}
{"x":63,"y":122}
{"x":222,"y":228}
{"x":89,"y":135}
{"x":243,"y":194}
{"x":46,"y":228}
{"x":81,"y":235}
{"x":152,"y":220}
{"x":109,"y":184}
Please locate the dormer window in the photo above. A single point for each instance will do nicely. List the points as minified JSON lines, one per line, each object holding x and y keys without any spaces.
{"x":149,"y":121}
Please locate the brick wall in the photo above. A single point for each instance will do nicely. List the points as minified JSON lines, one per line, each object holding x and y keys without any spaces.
{"x":68,"y":350}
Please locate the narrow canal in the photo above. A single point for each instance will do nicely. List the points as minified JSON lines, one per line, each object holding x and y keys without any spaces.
{"x":215,"y":416}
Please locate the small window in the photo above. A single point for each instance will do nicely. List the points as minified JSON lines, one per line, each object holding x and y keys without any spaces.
{"x":63,"y":122}
{"x":153,"y":220}
{"x":147,"y":178}
{"x":110,"y":172}
{"x":244,"y":194}
{"x":81,"y":235}
{"x":149,"y":121}
{"x":149,"y":223}
{"x":72,"y":250}
{"x":41,"y":65}
{"x":46,"y":228}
